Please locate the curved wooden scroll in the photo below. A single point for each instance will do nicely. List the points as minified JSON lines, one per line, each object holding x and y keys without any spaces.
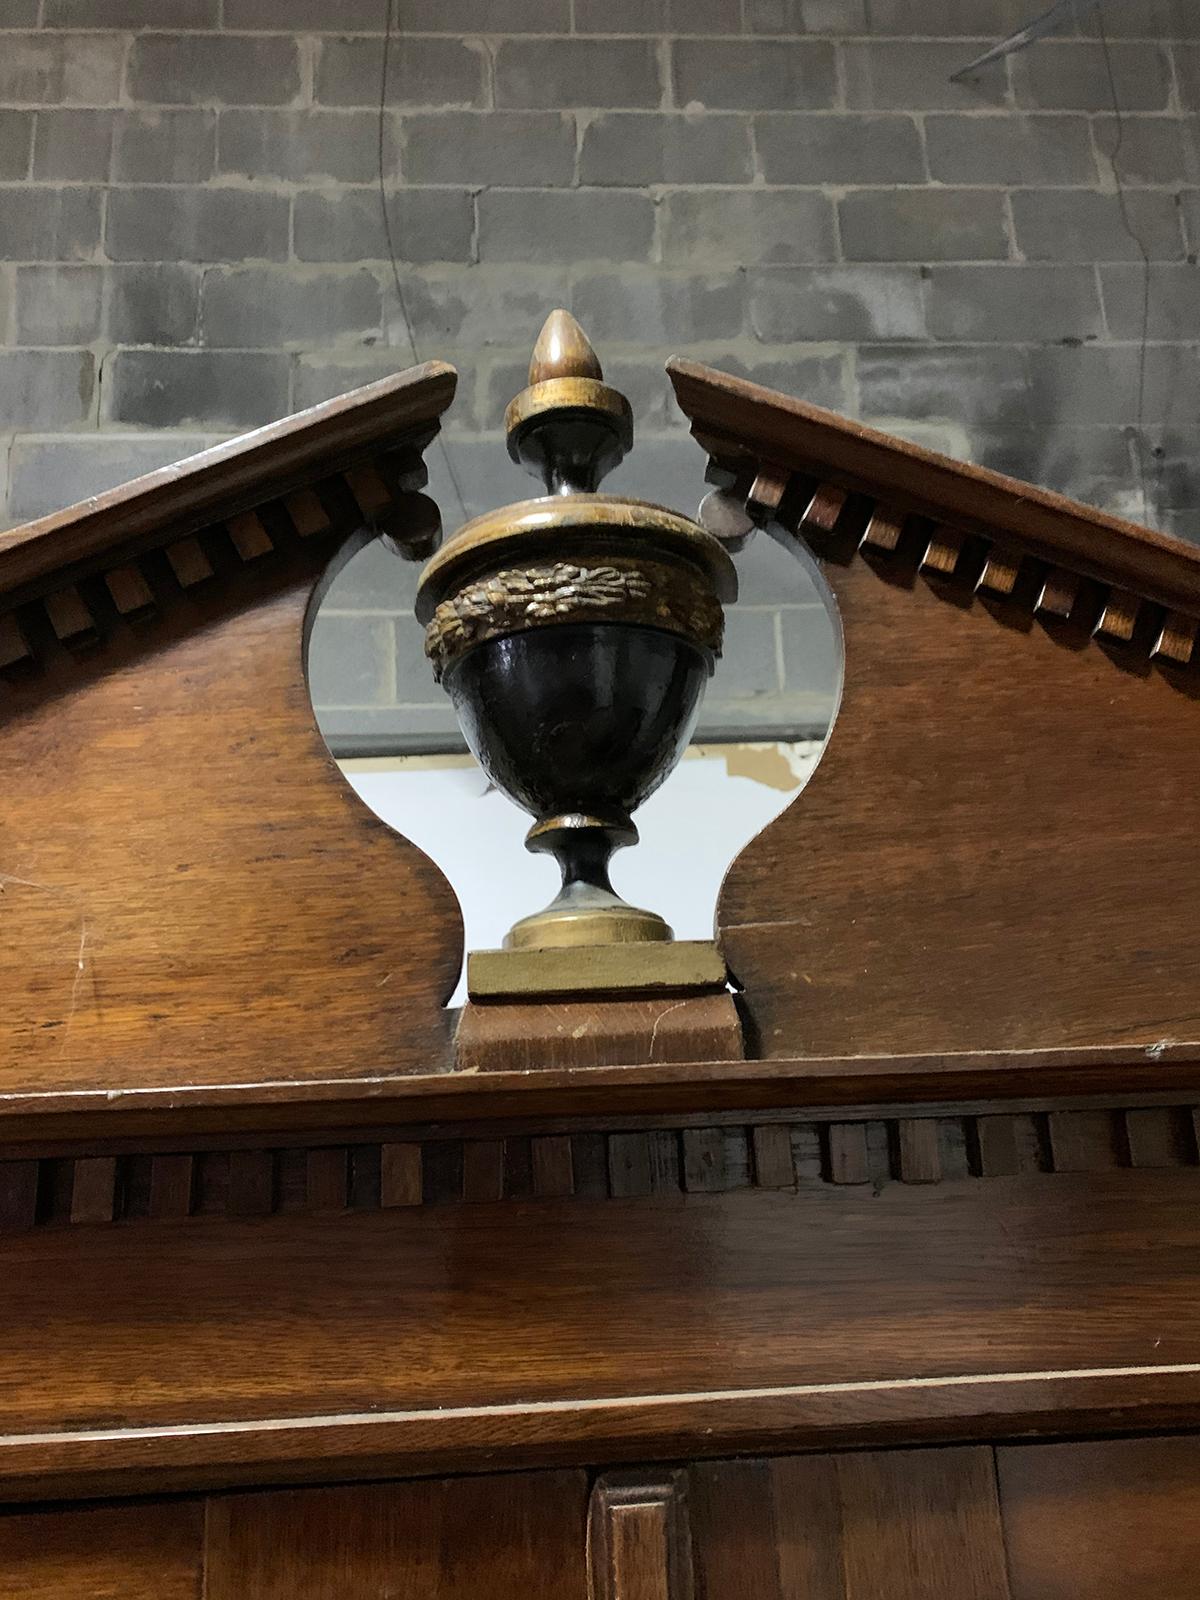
{"x":997,"y":851}
{"x":190,"y":893}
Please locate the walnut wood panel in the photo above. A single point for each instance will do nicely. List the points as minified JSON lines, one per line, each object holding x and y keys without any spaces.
{"x":1094,"y":1520}
{"x":991,"y":853}
{"x":140,"y":1551}
{"x":911,"y":1525}
{"x":191,"y":892}
{"x":1086,"y":1520}
{"x":771,"y":1529}
{"x":504,"y":1537}
{"x":924,"y":1526}
{"x":507,"y":1538}
{"x":452,"y":1337}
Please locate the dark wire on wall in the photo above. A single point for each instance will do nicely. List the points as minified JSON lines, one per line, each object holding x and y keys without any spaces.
{"x":389,"y":12}
{"x":1139,"y":435}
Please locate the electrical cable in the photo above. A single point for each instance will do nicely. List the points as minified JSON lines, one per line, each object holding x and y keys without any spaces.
{"x":1127,"y":223}
{"x":389,"y":13}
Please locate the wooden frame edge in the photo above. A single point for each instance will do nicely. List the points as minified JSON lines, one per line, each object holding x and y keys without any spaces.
{"x":677,"y":1088}
{"x":625,"y":1428}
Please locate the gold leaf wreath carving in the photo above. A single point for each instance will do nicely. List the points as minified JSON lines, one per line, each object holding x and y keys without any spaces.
{"x":513,"y":600}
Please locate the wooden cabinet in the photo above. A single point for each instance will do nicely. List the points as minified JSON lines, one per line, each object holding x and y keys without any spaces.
{"x":882,"y":1283}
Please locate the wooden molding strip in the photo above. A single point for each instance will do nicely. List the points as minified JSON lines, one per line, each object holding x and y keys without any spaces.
{"x":230,"y":479}
{"x":126,"y":600}
{"x":1121,"y":1074}
{"x":624,"y":1164}
{"x":1135,"y":591}
{"x":159,"y":1459}
{"x":742,"y":422}
{"x":639,"y":1542}
{"x":1133,"y":629}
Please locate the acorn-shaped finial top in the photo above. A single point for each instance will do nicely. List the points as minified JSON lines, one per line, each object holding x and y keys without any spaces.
{"x":568,"y":427}
{"x":563,"y":350}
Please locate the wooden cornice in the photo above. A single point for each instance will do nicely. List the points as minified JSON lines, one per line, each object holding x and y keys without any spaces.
{"x":768,"y":440}
{"x":275,"y":1110}
{"x":364,"y":1170}
{"x":217,"y":485}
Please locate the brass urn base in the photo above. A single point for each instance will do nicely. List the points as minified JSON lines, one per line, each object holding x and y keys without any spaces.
{"x":586,"y":910}
{"x":573,"y":920}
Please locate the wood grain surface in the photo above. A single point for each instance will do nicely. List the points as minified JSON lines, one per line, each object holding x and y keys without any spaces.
{"x":136,"y":1551}
{"x":504,"y":1538}
{"x":586,"y":1032}
{"x":994,"y":851}
{"x":896,"y":1525}
{"x":507,"y":1538}
{"x":1100,"y":1519}
{"x":1085,"y":1520}
{"x":192,"y":891}
{"x":279,"y":1110}
{"x":425,"y":1338}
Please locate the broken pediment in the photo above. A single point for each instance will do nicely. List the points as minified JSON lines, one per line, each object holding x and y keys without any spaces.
{"x":991,"y":872}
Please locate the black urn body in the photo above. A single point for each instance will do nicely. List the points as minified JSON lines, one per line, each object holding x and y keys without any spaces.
{"x":586,"y":717}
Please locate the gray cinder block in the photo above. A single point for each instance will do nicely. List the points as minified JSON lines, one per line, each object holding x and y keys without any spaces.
{"x":197,"y":224}
{"x":175,"y":388}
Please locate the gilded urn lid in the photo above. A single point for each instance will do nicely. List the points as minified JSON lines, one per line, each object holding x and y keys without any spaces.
{"x":570,"y":428}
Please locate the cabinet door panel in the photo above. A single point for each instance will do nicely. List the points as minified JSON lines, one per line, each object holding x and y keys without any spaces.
{"x":771,"y":1529}
{"x":503,"y":1538}
{"x":1090,"y":1521}
{"x":921,"y":1525}
{"x":148,"y":1550}
{"x":1083,"y":1521}
{"x":886,"y":1525}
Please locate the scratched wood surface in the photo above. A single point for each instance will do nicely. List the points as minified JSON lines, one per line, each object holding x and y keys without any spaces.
{"x":191,"y":893}
{"x":993,"y":853}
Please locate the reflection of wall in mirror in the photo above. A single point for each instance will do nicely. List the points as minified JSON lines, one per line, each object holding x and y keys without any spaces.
{"x":714,"y":802}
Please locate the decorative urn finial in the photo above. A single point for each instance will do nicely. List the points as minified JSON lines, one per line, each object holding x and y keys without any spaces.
{"x":563,"y":350}
{"x":574,"y":634}
{"x":568,"y":428}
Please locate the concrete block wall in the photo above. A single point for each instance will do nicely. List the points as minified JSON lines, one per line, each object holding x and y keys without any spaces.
{"x":191,"y":243}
